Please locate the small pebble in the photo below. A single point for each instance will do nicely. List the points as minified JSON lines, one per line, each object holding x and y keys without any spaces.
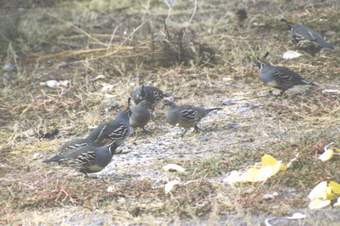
{"x":9,"y":67}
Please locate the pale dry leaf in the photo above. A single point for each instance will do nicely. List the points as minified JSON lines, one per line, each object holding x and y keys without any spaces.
{"x":174,"y":168}
{"x":319,"y":204}
{"x":170,"y":186}
{"x":319,"y":191}
{"x":297,"y":216}
{"x":291,"y":55}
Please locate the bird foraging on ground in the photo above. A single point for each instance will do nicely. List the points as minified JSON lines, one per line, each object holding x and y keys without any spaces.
{"x":281,"y":78}
{"x":114,"y":131}
{"x":307,"y":39}
{"x":86,"y":159}
{"x":186,"y":116}
{"x":149,"y":93}
{"x":140,"y":114}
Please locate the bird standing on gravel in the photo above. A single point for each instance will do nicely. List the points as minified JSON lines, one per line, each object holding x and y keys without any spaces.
{"x":307,"y":39}
{"x":281,"y":78}
{"x":140,"y":114}
{"x":114,"y":131}
{"x":149,"y":93}
{"x":186,"y":116}
{"x":87,"y":159}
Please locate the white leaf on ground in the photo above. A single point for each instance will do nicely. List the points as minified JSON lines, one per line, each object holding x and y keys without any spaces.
{"x":319,"y":191}
{"x":110,"y":188}
{"x":326,"y":155}
{"x":297,"y":216}
{"x":55,"y":84}
{"x":106,"y":88}
{"x":335,"y":91}
{"x":337,"y":203}
{"x":318,"y":204}
{"x":269,"y":196}
{"x":233,"y":177}
{"x":291,"y":55}
{"x":174,"y":168}
{"x":170,"y":186}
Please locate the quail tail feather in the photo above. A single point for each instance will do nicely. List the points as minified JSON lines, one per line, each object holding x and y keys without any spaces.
{"x":213,"y":109}
{"x":55,"y":158}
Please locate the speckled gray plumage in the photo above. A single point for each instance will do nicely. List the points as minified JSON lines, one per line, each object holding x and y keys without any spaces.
{"x":115,"y":131}
{"x":149,"y":93}
{"x":140,"y":114}
{"x":281,"y":78}
{"x":186,"y":116}
{"x":87,"y":159}
{"x":301,"y":35}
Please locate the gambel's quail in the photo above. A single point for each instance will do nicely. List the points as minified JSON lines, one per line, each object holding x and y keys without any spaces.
{"x":186,"y":116}
{"x":87,"y":159}
{"x":307,"y":39}
{"x":281,"y":78}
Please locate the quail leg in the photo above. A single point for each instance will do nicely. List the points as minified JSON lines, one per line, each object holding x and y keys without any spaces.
{"x":197,"y":129}
{"x":185,"y":131}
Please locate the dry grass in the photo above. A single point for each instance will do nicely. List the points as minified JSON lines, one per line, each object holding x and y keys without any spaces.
{"x":210,"y":60}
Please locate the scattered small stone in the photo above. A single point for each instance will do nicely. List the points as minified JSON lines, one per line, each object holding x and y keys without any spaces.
{"x":246,"y":107}
{"x":233,"y":125}
{"x":270,"y":196}
{"x":228,"y":102}
{"x":9,"y":67}
{"x":291,"y":55}
{"x":53,"y":84}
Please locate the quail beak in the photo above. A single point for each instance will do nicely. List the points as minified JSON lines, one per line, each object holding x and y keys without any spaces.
{"x":257,"y":63}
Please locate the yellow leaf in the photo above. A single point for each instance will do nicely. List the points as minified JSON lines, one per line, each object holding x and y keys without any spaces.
{"x":319,"y":191}
{"x":255,"y":174}
{"x":268,"y":160}
{"x":326,"y":155}
{"x":335,"y":187}
{"x":330,"y":195}
{"x":318,"y":203}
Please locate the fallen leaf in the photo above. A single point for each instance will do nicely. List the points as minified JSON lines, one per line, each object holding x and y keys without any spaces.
{"x":319,"y":203}
{"x":267,"y":168}
{"x":233,"y":177}
{"x":291,"y":55}
{"x":55,"y":84}
{"x":297,"y":216}
{"x":337,"y":203}
{"x":327,"y":155}
{"x":319,"y":191}
{"x":174,"y":168}
{"x":335,"y":187}
{"x":170,"y":186}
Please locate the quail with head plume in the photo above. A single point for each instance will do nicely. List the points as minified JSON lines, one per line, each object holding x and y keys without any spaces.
{"x":307,"y":39}
{"x":140,"y":114}
{"x":87,"y":159}
{"x":186,"y":116}
{"x":281,"y":78}
{"x":115,"y":131}
{"x":149,"y":93}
